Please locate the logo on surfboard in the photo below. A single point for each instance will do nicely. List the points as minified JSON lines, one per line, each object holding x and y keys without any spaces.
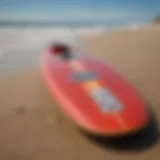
{"x":81,"y":76}
{"x":105,"y":100}
{"x":100,"y":96}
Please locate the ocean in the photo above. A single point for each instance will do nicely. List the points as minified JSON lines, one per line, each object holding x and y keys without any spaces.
{"x":71,"y":24}
{"x":29,"y":34}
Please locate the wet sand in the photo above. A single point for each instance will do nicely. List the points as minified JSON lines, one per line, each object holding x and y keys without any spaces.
{"x":33,"y":127}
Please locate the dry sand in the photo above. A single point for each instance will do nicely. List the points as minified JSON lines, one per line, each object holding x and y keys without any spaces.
{"x":33,"y":128}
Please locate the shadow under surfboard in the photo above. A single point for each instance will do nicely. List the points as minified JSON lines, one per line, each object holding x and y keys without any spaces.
{"x":141,"y":140}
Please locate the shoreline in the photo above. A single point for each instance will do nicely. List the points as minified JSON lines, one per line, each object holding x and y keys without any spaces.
{"x":32,"y":37}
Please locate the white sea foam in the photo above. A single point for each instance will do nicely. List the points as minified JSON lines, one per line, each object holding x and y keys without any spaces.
{"x":15,"y":38}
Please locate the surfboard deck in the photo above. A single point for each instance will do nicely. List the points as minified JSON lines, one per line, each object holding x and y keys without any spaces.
{"x":93,"y":95}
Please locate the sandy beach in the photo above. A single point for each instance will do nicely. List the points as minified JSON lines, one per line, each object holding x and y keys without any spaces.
{"x":32,"y":126}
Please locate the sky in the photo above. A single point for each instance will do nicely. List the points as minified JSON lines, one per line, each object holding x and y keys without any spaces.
{"x":53,"y":10}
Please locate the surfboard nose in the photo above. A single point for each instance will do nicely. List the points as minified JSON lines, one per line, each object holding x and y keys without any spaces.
{"x":119,"y":123}
{"x":135,"y":119}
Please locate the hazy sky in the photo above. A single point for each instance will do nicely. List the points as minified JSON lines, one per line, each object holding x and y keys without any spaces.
{"x":79,"y":9}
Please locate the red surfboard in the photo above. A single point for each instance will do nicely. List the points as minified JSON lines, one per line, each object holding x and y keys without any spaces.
{"x":91,"y":93}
